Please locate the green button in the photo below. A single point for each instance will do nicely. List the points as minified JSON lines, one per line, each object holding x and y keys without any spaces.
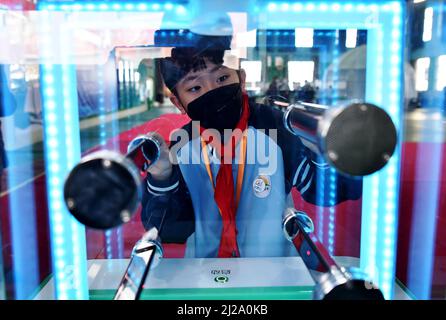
{"x":221,"y":279}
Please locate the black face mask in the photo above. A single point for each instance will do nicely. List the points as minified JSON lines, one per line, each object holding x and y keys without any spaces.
{"x":219,"y":108}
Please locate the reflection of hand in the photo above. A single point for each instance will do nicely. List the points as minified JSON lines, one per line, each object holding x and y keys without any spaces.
{"x":162,"y":168}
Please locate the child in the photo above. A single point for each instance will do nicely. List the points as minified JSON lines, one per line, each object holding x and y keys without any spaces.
{"x":223,"y":198}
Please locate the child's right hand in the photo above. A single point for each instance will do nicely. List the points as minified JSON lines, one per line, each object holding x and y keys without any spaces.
{"x":162,"y":168}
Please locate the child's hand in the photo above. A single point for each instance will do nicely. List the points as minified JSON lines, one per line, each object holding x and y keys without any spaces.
{"x":162,"y":168}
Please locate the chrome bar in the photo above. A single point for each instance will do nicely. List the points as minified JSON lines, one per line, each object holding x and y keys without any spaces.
{"x":333,"y":282}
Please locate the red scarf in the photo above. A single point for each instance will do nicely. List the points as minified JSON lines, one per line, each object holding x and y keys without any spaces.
{"x":224,"y":189}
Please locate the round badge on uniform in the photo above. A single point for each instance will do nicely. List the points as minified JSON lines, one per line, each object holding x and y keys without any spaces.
{"x":262,"y":186}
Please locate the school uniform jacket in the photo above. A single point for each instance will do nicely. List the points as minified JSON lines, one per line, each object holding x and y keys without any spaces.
{"x":276,"y":161}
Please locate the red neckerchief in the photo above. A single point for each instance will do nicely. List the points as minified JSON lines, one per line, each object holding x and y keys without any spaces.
{"x":224,"y":189}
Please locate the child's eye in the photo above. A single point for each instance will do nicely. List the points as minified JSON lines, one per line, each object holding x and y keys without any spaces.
{"x":194,"y":89}
{"x":222,"y":78}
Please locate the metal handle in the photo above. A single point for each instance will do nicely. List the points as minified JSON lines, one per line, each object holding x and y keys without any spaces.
{"x":357,"y":139}
{"x":332,"y":281}
{"x":145,"y":256}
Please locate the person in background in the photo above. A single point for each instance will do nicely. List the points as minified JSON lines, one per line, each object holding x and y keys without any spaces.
{"x":284,"y":88}
{"x":308,"y":92}
{"x":297,"y":88}
{"x":273,"y":89}
{"x":143,"y":76}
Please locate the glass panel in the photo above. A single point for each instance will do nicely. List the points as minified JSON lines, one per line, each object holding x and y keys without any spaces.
{"x":78,"y":78}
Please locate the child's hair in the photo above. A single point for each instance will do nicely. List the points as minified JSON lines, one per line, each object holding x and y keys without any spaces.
{"x":191,"y":57}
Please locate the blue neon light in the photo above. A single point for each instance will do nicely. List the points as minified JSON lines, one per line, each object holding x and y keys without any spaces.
{"x":67,"y":236}
{"x":380,"y":208}
{"x":332,"y":212}
{"x":109,"y":6}
{"x":102,"y":118}
{"x":62,"y":151}
{"x":180,"y":10}
{"x":114,"y":243}
{"x":272,"y":7}
{"x":332,"y":172}
{"x":108,"y":244}
{"x":321,"y":199}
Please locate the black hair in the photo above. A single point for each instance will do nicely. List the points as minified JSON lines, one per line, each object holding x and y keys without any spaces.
{"x":184,"y":60}
{"x":192,"y":56}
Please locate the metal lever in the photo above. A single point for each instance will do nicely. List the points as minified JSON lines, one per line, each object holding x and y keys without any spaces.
{"x":332,"y":281}
{"x":357,"y":139}
{"x":145,"y":256}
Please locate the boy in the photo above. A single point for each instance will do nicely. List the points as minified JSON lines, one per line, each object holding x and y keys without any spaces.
{"x":217,"y":192}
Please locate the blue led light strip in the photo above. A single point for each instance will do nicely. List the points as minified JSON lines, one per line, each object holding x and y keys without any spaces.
{"x":332,"y":212}
{"x":324,"y":61}
{"x":102,"y":119}
{"x":380,"y":208}
{"x":62,"y":151}
{"x":108,"y":244}
{"x":120,"y":243}
{"x":121,"y":6}
{"x":332,"y":173}
{"x":114,"y":244}
{"x":425,"y":214}
{"x":383,"y":20}
{"x":320,"y":209}
{"x":103,"y":142}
